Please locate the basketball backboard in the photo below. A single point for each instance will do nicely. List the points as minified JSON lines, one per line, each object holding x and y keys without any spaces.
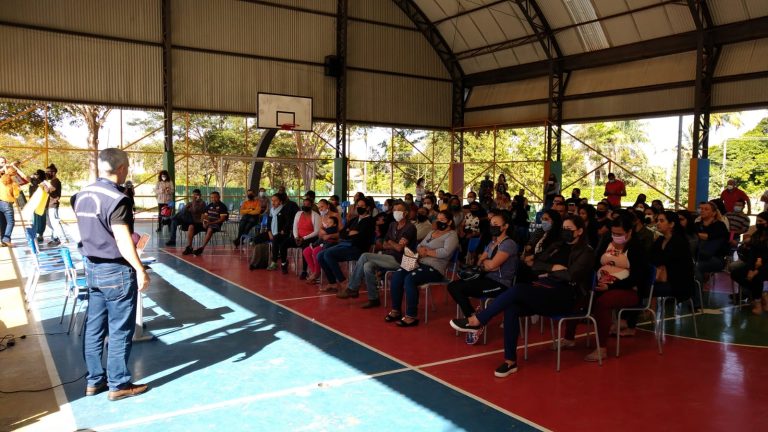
{"x":275,"y":111}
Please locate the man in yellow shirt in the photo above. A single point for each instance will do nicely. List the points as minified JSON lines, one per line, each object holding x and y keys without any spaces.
{"x":250,"y":214}
{"x":9,"y":192}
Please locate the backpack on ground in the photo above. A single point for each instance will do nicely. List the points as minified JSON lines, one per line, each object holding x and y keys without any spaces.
{"x":260,"y":257}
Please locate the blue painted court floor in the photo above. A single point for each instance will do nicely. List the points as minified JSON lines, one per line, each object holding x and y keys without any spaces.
{"x":228,"y":359}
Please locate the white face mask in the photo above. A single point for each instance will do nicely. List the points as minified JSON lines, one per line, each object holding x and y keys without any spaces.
{"x":730,"y":187}
{"x":738,"y":209}
{"x":470,"y":199}
{"x":398,"y":215}
{"x":385,"y":208}
{"x":323,"y":212}
{"x":262,"y":194}
{"x":428,"y":206}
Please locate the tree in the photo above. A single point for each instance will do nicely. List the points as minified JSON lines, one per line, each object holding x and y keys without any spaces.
{"x":746,"y":161}
{"x":94,"y":117}
{"x":23,"y":120}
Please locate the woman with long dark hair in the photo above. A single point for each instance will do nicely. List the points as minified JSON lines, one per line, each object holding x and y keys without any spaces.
{"x":672,"y":258}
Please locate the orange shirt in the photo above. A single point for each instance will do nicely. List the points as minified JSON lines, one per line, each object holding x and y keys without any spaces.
{"x":250,"y":207}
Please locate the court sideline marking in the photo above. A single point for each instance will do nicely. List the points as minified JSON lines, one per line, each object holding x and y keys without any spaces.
{"x":363,"y":344}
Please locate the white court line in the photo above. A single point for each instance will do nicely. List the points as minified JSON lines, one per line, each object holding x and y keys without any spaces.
{"x":65,"y":414}
{"x":363,"y":344}
{"x":305,"y":298}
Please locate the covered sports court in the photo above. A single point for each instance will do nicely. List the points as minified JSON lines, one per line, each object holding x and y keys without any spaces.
{"x":242,"y":350}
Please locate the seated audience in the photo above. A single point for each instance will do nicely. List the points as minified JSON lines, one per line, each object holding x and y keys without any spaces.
{"x":751,"y":271}
{"x":672,"y":258}
{"x":498,"y":264}
{"x":190,"y":219}
{"x":250,"y":215}
{"x":355,"y":239}
{"x":400,"y":234}
{"x":216,"y":213}
{"x":327,"y":237}
{"x":564,"y":273}
{"x":422,"y":223}
{"x":713,"y":244}
{"x":306,"y":227}
{"x":435,"y":253}
{"x":738,"y":222}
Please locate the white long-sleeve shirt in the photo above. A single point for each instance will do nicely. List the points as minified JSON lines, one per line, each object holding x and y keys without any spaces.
{"x":316,"y":224}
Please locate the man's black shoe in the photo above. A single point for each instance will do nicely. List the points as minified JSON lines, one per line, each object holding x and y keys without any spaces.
{"x":187,"y":251}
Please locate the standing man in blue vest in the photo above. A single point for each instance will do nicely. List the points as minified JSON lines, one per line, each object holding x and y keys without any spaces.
{"x":114,"y":276}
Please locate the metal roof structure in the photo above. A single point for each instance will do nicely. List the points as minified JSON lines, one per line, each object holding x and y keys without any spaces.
{"x":421,"y":63}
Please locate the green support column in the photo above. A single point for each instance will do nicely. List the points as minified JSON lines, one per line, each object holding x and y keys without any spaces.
{"x":340,"y":181}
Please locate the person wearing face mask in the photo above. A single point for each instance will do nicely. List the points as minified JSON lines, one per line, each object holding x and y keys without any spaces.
{"x":422,"y":224}
{"x":614,"y":190}
{"x":306,"y":227}
{"x":622,"y":280}
{"x":650,"y":216}
{"x":454,"y":206}
{"x":164,"y":193}
{"x":250,"y":213}
{"x":435,"y":252}
{"x":541,"y":239}
{"x":383,"y":220}
{"x":52,"y":185}
{"x":601,"y":217}
{"x":471,"y":197}
{"x":564,"y":273}
{"x":731,"y":194}
{"x":672,"y":258}
{"x":551,"y":188}
{"x":408,"y":199}
{"x":575,"y":197}
{"x":587,"y":213}
{"x":751,"y":271}
{"x":355,"y":239}
{"x":38,"y":223}
{"x":329,"y":235}
{"x":190,"y":219}
{"x":429,"y":205}
{"x":641,"y":231}
{"x":640,"y":201}
{"x":420,"y":190}
{"x":400,"y":234}
{"x":469,"y":228}
{"x":263,"y":200}
{"x":713,"y":245}
{"x":738,"y":222}
{"x":499,"y":264}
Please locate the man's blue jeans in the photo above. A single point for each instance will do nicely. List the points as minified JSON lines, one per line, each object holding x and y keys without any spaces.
{"x":6,"y":209}
{"x":113,"y":293}
{"x":330,"y":258}
{"x":366,"y":267}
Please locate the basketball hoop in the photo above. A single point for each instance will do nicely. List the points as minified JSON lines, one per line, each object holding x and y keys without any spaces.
{"x":288,"y":126}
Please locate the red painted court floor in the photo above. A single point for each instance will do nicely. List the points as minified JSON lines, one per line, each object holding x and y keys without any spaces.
{"x":696,"y":384}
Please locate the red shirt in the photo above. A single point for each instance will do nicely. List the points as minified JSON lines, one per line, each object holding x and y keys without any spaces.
{"x":730,"y":197}
{"x":614,"y":191}
{"x":305,"y":226}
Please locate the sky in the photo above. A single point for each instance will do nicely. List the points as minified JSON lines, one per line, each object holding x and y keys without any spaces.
{"x":662,"y":133}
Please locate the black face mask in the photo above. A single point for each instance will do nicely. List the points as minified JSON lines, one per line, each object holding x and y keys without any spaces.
{"x":495,"y":231}
{"x":567,"y":235}
{"x":362,"y":210}
{"x":48,"y":176}
{"x":441,"y":225}
{"x":760,"y":227}
{"x":251,"y":196}
{"x":475,"y":213}
{"x":455,"y":208}
{"x":306,"y":209}
{"x":648,"y":219}
{"x":601,"y":214}
{"x":421,"y":218}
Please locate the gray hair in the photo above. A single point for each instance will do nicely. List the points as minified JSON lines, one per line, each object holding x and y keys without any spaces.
{"x":111,"y":159}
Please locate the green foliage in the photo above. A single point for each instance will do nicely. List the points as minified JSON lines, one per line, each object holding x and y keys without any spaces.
{"x":746,"y":162}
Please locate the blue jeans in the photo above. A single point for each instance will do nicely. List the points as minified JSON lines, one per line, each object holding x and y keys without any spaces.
{"x":330,"y":258}
{"x":523,"y":300}
{"x":366,"y":267}
{"x":6,"y":209}
{"x":113,"y":293}
{"x":409,"y":282}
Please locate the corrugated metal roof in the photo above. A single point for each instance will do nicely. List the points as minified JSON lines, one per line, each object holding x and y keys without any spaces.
{"x":325,"y":6}
{"x":516,"y":91}
{"x":657,"y":70}
{"x":725,"y":12}
{"x":623,"y":105}
{"x":754,"y":91}
{"x":392,"y":99}
{"x":380,"y":11}
{"x":527,"y":114}
{"x":204,"y":81}
{"x":231,"y":26}
{"x":741,"y":58}
{"x":377,"y":47}
{"x":135,"y":19}
{"x":51,"y":66}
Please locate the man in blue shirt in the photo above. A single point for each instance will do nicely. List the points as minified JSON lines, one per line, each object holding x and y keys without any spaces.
{"x":216,"y":214}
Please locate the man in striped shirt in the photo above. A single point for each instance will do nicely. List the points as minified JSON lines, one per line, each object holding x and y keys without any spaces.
{"x":738,"y":222}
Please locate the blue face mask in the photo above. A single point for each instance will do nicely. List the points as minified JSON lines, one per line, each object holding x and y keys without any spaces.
{"x":546,"y":225}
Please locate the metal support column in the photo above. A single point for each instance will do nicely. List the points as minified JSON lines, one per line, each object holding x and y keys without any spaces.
{"x":168,"y":157}
{"x":707,"y":55}
{"x":340,"y":183}
{"x":260,"y":153}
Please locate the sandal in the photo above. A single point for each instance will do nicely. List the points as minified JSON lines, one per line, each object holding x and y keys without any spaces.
{"x":393,"y":318}
{"x":597,"y":355}
{"x":403,"y":323}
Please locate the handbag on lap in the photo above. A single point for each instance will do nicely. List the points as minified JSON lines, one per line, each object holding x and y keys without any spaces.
{"x":410,"y":261}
